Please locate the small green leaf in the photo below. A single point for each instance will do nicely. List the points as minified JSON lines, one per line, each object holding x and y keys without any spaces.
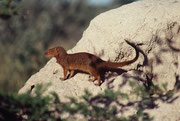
{"x":164,"y":85}
{"x":140,"y":112}
{"x":131,"y":83}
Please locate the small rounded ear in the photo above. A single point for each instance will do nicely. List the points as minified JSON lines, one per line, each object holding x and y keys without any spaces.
{"x":57,"y":49}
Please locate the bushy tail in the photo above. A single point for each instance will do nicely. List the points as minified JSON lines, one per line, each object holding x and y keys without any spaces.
{"x":114,"y":65}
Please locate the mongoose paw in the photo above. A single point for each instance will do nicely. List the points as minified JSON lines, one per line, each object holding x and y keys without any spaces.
{"x":62,"y":79}
{"x":91,"y":80}
{"x":97,"y":84}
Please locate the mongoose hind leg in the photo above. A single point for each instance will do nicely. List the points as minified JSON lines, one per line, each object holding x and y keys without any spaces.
{"x":99,"y":80}
{"x":92,"y":79}
{"x":95,"y":75}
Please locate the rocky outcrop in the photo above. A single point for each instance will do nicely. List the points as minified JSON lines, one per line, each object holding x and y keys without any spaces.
{"x":153,"y":25}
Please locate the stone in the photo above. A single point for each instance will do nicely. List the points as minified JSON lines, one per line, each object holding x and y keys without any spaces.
{"x":154,"y":27}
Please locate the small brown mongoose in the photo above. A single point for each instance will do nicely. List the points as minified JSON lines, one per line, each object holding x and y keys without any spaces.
{"x":85,"y":62}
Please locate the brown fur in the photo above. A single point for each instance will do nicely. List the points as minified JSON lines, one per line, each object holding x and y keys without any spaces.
{"x":85,"y":62}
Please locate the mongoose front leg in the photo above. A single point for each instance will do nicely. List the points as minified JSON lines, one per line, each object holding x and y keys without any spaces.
{"x":65,"y":74}
{"x":71,"y":73}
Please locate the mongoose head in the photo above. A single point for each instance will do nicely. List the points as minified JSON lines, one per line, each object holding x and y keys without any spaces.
{"x":56,"y":51}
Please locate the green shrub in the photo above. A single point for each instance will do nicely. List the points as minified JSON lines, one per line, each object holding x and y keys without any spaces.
{"x":93,"y":108}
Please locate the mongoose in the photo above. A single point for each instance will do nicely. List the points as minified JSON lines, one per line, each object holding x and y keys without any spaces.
{"x":85,"y":62}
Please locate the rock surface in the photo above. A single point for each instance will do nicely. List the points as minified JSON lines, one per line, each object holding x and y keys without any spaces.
{"x":153,"y":25}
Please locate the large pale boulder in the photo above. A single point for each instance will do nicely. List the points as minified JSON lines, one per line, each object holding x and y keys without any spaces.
{"x":153,"y":25}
